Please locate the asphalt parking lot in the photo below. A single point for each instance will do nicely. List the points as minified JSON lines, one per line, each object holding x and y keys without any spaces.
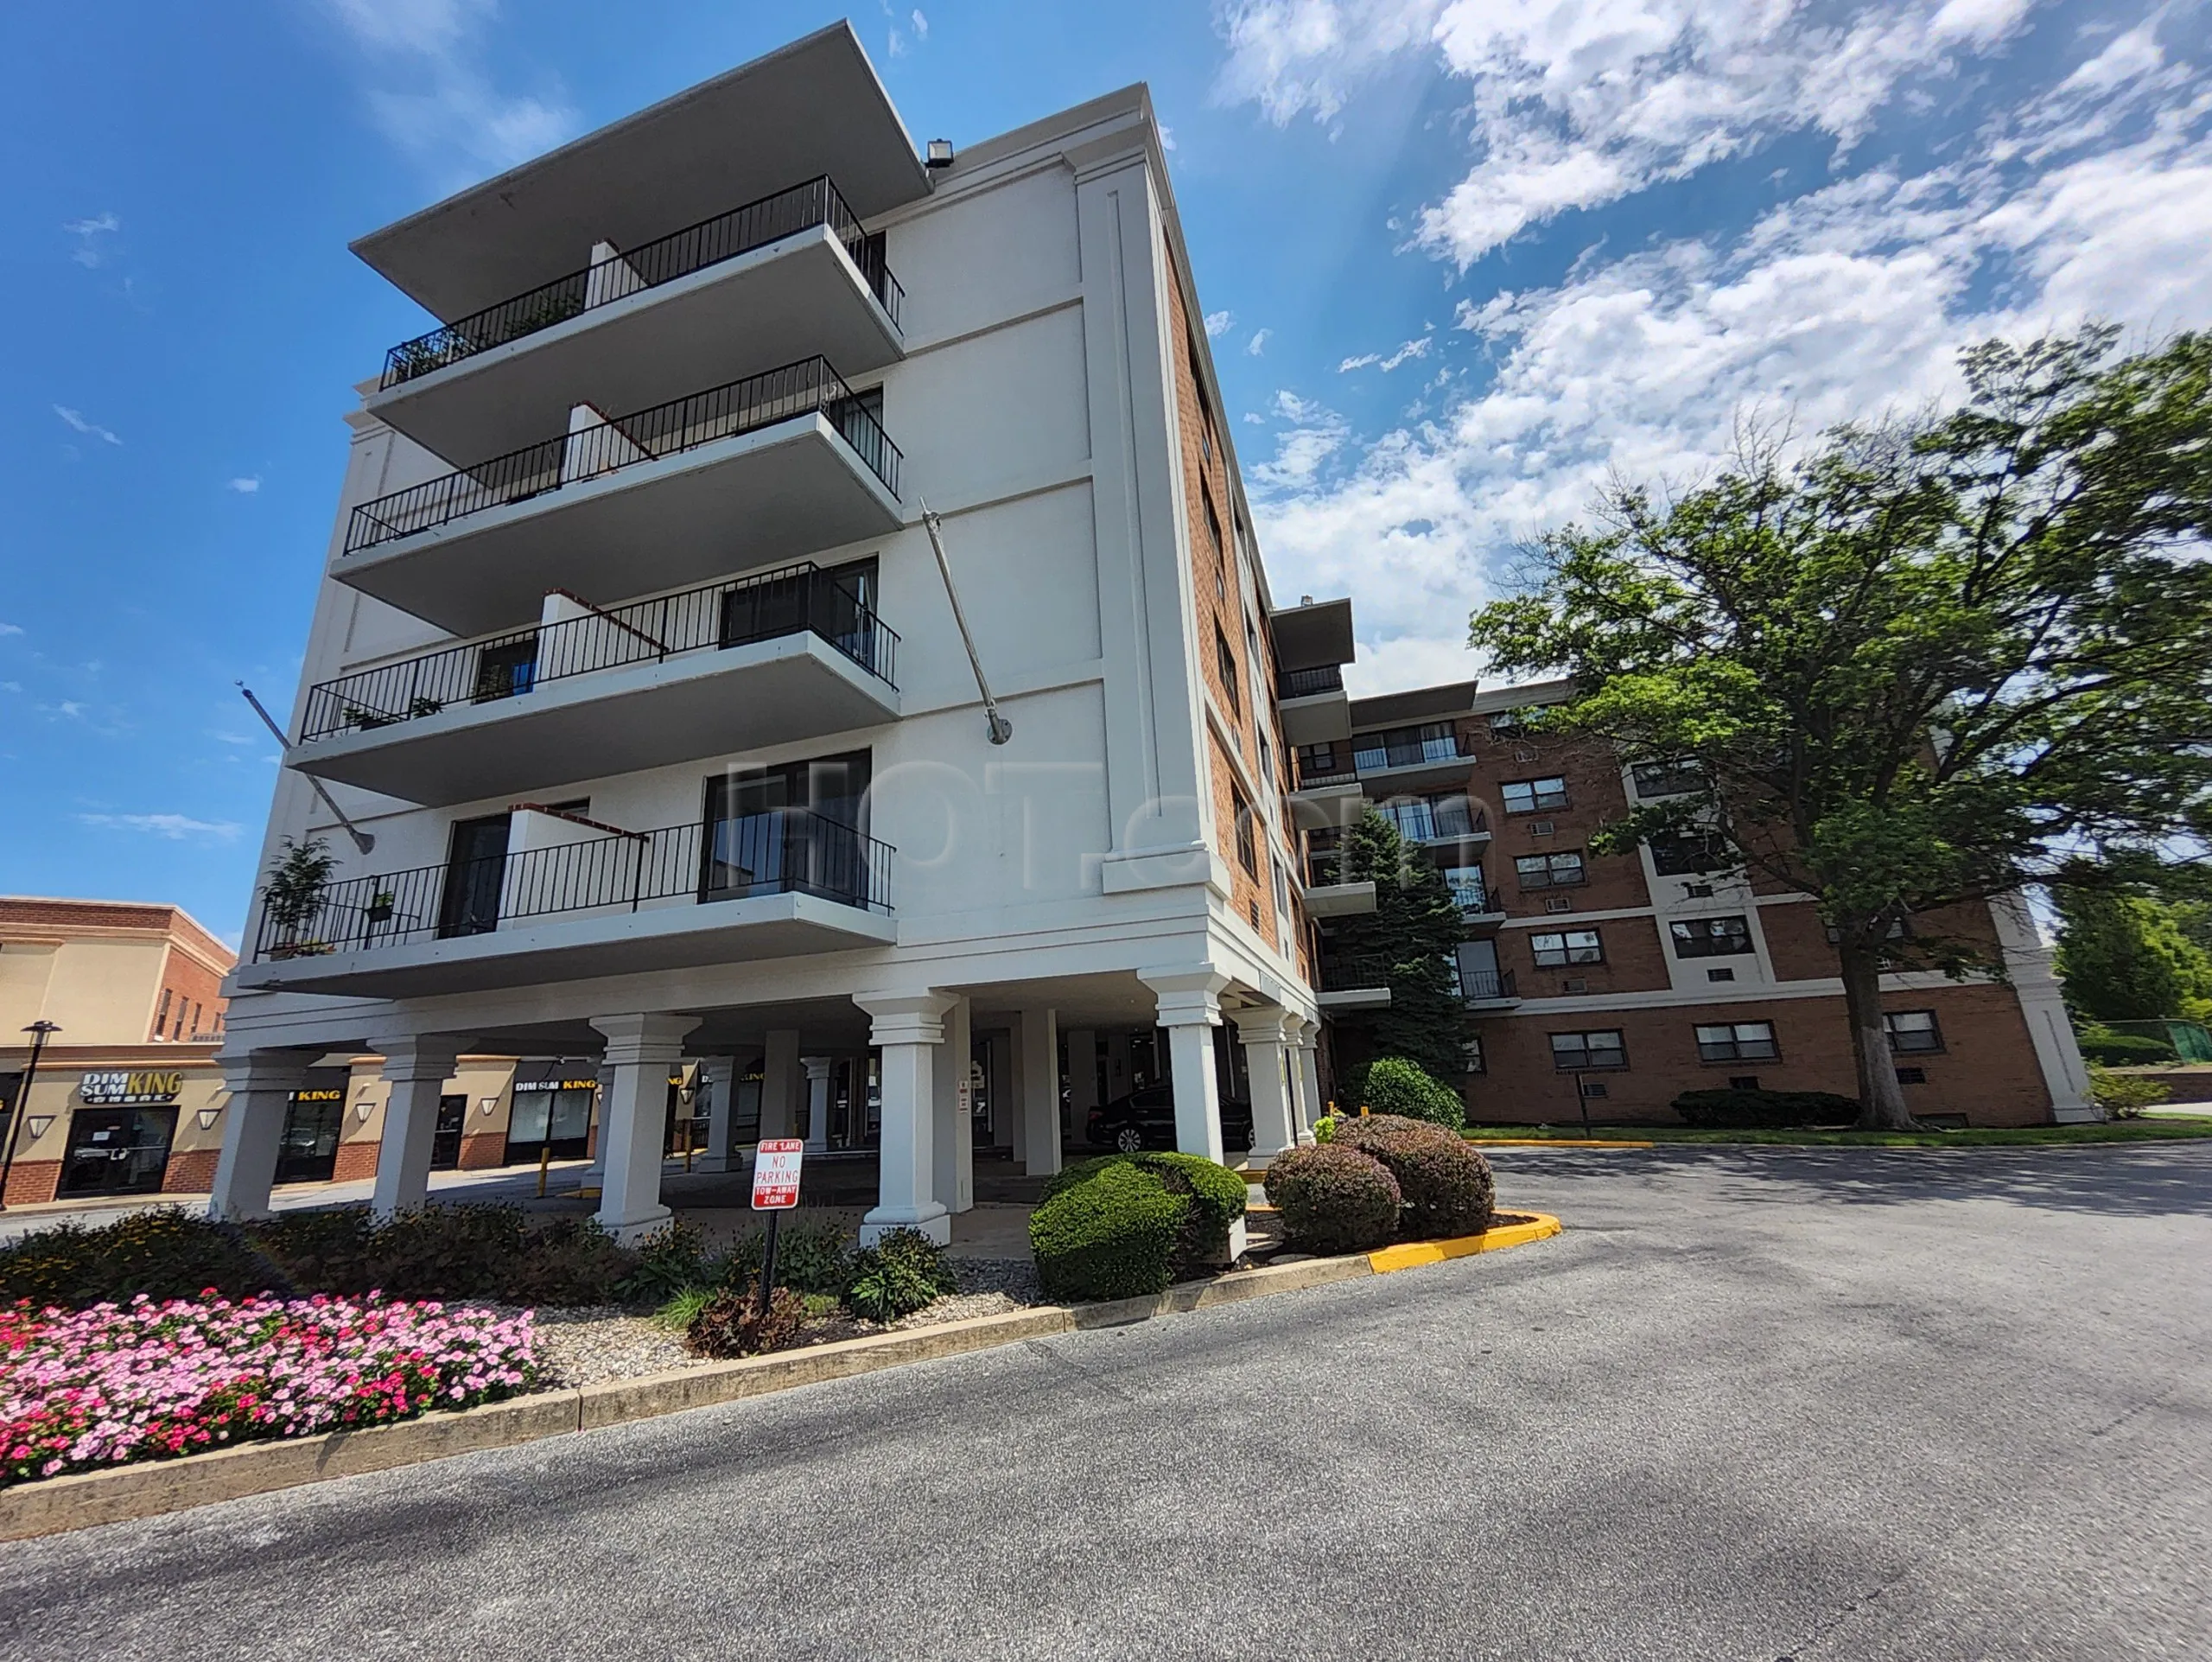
{"x":1759,"y":1403}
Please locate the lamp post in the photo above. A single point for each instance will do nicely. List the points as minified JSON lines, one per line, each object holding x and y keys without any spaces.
{"x":39,"y":1031}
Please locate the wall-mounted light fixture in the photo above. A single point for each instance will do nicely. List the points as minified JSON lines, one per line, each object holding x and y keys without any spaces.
{"x":36,"y":1124}
{"x":489,"y":1106}
{"x":207,"y":1117}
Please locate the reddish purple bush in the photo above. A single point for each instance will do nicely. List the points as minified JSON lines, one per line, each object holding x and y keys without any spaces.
{"x":1445,"y":1183}
{"x":1333,"y":1199}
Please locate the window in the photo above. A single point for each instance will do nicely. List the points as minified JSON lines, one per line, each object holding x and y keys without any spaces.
{"x":1682,"y":854}
{"x":1282,"y":888}
{"x":162,"y":1018}
{"x":1528,"y":795}
{"x":1225,"y":660}
{"x":1405,"y":747}
{"x":1430,"y":818}
{"x":1220,"y":561}
{"x":1737,"y":1041}
{"x":1327,"y":761}
{"x":1666,"y":779}
{"x":1569,"y":947}
{"x":1267,"y":762}
{"x":1912,"y":1076}
{"x":1711,"y":937}
{"x":1548,"y":871}
{"x":1511,"y":721}
{"x":194,"y":1028}
{"x":1466,"y":883}
{"x":796,"y":827}
{"x":1473,"y":1050}
{"x":1247,"y":849}
{"x":1913,"y":1031}
{"x":1574,"y":1051}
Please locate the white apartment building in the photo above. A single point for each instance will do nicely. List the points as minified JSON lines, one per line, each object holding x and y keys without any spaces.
{"x":634,"y":660}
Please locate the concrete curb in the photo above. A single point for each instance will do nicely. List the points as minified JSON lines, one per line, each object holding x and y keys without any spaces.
{"x":86,"y":1498}
{"x":1555,"y":1142}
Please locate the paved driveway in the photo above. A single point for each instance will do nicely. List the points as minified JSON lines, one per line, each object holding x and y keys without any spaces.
{"x":1757,"y":1404}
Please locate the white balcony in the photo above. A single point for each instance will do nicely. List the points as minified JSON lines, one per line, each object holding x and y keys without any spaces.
{"x":754,"y":287}
{"x":768,"y":470}
{"x":732,"y":666}
{"x":588,"y":904}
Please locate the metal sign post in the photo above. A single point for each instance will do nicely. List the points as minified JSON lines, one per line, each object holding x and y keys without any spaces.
{"x":775,"y":1191}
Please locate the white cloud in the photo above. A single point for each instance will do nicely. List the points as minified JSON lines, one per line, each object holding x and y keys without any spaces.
{"x":1258,"y":343}
{"x":68,"y":707}
{"x":449,"y":114}
{"x":921,"y":25}
{"x":1167,"y":136}
{"x":1362,"y":361}
{"x":1217,"y":323}
{"x":246,"y":485}
{"x":88,"y":232}
{"x":174,"y":827}
{"x":11,"y":686}
{"x":10,"y":628}
{"x":1416,"y":347}
{"x":91,"y":429}
{"x":1574,"y":103}
{"x":2091,"y":199}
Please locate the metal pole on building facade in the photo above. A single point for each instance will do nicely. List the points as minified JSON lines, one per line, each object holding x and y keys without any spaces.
{"x":38,"y":1030}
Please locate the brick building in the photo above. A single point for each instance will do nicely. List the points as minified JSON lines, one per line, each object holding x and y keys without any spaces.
{"x":1634,"y":977}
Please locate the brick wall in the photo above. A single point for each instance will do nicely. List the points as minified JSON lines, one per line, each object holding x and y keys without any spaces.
{"x":1636,"y":960}
{"x":32,"y":1180}
{"x":356,"y":1162}
{"x":192,"y":1171}
{"x":480,"y":1150}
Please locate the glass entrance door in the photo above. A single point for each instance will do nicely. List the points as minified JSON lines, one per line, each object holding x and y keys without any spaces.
{"x":474,"y":875}
{"x":445,"y":1141}
{"x":117,"y":1150}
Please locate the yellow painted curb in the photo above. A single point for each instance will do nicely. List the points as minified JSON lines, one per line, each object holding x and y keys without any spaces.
{"x":1415,"y":1253}
{"x":1554,"y":1143}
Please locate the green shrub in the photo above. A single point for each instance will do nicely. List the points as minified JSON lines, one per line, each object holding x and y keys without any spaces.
{"x":1112,"y":1235}
{"x":681,"y":1307}
{"x":569,"y":1261}
{"x":1325,"y":1129}
{"x":1446,"y":1185}
{"x":812,"y":1256}
{"x":2124,"y":1096}
{"x":163,"y":1252}
{"x":731,"y":1323}
{"x":1741,"y":1110}
{"x":674,"y":1257}
{"x":1218,"y":1197}
{"x":1333,"y":1198}
{"x":1391,"y":1084}
{"x":903,"y":1272}
{"x":2126,"y":1049}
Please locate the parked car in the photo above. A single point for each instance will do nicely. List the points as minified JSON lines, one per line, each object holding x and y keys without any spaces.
{"x":1146,"y":1119}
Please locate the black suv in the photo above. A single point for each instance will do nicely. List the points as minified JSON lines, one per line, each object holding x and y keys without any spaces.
{"x":1146,"y":1119}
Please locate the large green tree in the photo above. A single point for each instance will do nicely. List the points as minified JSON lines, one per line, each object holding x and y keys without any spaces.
{"x":2127,"y":958}
{"x":1931,"y":661}
{"x":1408,"y":943}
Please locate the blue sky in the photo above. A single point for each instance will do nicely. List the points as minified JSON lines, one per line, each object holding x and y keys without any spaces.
{"x":1463,"y":260}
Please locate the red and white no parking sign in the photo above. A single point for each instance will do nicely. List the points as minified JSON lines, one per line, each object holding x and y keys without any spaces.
{"x":775,"y":1174}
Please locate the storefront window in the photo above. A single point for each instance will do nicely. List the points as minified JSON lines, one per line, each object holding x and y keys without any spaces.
{"x":117,"y":1150}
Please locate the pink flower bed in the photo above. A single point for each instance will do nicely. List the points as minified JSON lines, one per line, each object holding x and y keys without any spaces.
{"x":85,"y":1389}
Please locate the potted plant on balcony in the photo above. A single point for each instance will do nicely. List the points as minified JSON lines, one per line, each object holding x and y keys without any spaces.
{"x":292,"y":895}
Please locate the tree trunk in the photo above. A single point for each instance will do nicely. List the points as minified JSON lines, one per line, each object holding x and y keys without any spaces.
{"x":1881,"y":1100}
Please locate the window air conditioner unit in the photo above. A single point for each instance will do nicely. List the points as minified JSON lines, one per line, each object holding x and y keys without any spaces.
{"x":1558,"y":904}
{"x":1542,"y":828}
{"x":1575,"y":983}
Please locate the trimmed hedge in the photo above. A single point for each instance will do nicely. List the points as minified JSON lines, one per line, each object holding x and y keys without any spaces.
{"x":1218,"y":1197}
{"x":2126,"y":1049}
{"x":1111,"y":1234}
{"x":1445,"y":1183}
{"x":1395,"y":1086}
{"x":1333,"y":1198}
{"x":1765,"y":1110}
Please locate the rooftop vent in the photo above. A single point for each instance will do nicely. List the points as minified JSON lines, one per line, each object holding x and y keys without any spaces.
{"x":940,"y":154}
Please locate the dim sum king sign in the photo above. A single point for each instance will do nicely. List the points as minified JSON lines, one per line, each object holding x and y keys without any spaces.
{"x":117,"y":1087}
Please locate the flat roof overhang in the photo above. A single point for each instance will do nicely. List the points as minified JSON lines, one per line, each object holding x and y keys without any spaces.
{"x":613,"y":721}
{"x":1390,"y":708}
{"x":801,"y":297}
{"x":1341,"y":900}
{"x":1310,"y":637}
{"x":1315,"y":718}
{"x":1355,"y":998}
{"x":670,"y":935}
{"x":774,"y":493}
{"x":815,"y":106}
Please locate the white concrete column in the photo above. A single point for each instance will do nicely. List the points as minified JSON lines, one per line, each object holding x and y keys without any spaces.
{"x":416,"y":1069}
{"x":909,"y":1030}
{"x":640,"y":1049}
{"x":818,"y":1102}
{"x":720,"y":1073}
{"x":956,"y":1122}
{"x":1306,"y":1064}
{"x":782,"y":1079}
{"x":1189,"y":1009}
{"x":261,"y":1083}
{"x":1039,"y":1113}
{"x":2059,"y":1052}
{"x":1264,"y":1033}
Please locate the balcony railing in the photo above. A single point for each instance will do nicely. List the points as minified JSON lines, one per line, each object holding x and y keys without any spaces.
{"x":757,"y":401}
{"x":784,"y":851}
{"x":1303,"y":683}
{"x":679,"y":254}
{"x":1440,"y":820}
{"x":791,"y":601}
{"x":1372,"y":758}
{"x":1477,"y":986}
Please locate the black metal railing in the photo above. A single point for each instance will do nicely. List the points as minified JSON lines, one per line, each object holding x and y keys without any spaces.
{"x":1477,"y":986}
{"x":1342,"y":972}
{"x":1303,"y":683}
{"x":784,"y":850}
{"x":679,"y":254}
{"x":804,"y":388}
{"x":1442,"y":819}
{"x":1374,"y":753}
{"x":792,"y":600}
